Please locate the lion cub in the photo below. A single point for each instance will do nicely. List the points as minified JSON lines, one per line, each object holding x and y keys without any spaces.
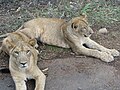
{"x":74,"y":34}
{"x":23,"y":60}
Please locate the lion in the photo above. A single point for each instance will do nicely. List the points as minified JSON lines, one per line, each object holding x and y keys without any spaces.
{"x":74,"y":34}
{"x":23,"y":60}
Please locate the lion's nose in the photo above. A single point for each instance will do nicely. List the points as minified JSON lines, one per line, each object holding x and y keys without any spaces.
{"x":23,"y":63}
{"x":91,"y":32}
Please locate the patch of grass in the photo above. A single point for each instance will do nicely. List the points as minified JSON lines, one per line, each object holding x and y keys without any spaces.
{"x":56,"y":49}
{"x":102,"y":12}
{"x":98,"y":11}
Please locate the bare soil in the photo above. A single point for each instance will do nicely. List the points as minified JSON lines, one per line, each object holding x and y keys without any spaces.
{"x":68,"y":71}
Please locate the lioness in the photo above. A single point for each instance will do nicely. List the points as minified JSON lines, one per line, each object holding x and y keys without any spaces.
{"x":74,"y":34}
{"x":23,"y":60}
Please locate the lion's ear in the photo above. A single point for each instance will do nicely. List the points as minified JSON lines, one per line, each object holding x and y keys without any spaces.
{"x":83,"y":16}
{"x":74,"y":25}
{"x":32,"y":42}
{"x":64,"y":25}
{"x":10,"y":44}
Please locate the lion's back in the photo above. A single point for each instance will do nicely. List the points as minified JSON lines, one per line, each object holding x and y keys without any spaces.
{"x":49,"y":30}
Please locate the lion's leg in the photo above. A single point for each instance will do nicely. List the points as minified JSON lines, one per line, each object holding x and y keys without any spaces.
{"x":80,"y":49}
{"x":19,"y":84}
{"x":92,"y":44}
{"x":40,"y":79}
{"x":95,"y":53}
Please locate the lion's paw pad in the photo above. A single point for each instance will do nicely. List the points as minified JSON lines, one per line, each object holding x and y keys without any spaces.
{"x":114,"y":52}
{"x":107,"y":57}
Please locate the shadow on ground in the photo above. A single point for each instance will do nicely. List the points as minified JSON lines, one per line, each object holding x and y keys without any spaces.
{"x":75,"y":74}
{"x":71,"y":72}
{"x":67,"y":71}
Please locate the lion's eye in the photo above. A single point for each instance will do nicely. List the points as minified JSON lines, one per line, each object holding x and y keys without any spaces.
{"x":75,"y":27}
{"x":16,"y":53}
{"x":28,"y":52}
{"x":83,"y":29}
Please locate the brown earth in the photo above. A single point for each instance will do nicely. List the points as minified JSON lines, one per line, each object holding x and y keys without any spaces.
{"x":71,"y":72}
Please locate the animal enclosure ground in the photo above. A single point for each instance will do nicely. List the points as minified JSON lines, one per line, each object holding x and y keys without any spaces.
{"x":66,"y":70}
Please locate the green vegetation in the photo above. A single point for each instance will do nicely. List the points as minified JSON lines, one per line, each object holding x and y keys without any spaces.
{"x":102,"y":12}
{"x":98,"y":11}
{"x":16,"y":12}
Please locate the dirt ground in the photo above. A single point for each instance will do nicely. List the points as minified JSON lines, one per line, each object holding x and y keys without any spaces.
{"x":71,"y":72}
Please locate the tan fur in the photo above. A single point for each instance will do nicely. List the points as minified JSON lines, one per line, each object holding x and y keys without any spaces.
{"x":48,"y":30}
{"x":23,"y":60}
{"x":73,"y":34}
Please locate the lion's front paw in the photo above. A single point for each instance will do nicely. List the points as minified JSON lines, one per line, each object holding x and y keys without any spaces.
{"x":114,"y":52}
{"x":107,"y":57}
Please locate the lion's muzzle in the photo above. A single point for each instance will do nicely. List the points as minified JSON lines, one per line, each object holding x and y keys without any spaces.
{"x":23,"y":65}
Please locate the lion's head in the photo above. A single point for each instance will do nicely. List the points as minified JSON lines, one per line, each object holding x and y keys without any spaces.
{"x":79,"y":26}
{"x":23,"y":55}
